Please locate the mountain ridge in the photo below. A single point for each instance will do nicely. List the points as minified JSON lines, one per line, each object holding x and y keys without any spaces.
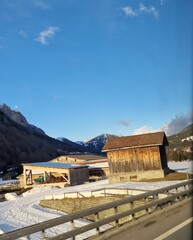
{"x":21,"y":142}
{"x":96,"y":144}
{"x":19,"y":118}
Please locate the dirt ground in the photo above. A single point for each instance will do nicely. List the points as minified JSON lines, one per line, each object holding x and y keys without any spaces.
{"x":173,"y":176}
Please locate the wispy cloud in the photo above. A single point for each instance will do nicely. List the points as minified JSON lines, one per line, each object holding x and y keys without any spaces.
{"x":148,"y":10}
{"x":41,"y":4}
{"x":23,"y":34}
{"x":178,"y":123}
{"x":46,"y":35}
{"x":125,"y":123}
{"x":129,"y":11}
{"x":144,"y":129}
{"x":142,"y":9}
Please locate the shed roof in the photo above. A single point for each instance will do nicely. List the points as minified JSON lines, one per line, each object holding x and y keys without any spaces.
{"x":56,"y":165}
{"x":87,"y":157}
{"x":142,"y":140}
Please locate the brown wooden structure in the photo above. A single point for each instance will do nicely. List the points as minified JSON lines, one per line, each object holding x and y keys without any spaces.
{"x":72,"y":174}
{"x":137,"y":157}
{"x":95,"y":163}
{"x":80,"y":159}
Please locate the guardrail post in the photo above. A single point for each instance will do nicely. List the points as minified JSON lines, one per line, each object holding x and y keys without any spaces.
{"x":115,"y":212}
{"x":96,"y":217}
{"x":132,"y":206}
{"x":43,"y":235}
{"x":73,"y":227}
{"x":104,"y":192}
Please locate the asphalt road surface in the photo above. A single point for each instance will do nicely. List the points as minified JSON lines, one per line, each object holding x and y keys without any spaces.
{"x":174,"y":222}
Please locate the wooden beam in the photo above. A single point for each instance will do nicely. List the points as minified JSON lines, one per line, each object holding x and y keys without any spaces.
{"x":64,"y":178}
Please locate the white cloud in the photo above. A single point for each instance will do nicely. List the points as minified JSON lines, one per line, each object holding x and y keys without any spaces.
{"x":142,"y":9}
{"x":178,"y":124}
{"x":46,"y":35}
{"x":174,"y":126}
{"x":148,"y":10}
{"x":144,"y":129}
{"x":129,"y":11}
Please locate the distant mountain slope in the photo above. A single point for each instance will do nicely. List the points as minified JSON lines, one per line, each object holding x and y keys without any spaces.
{"x":181,"y":145}
{"x":96,"y":144}
{"x":19,"y":118}
{"x":20,"y":144}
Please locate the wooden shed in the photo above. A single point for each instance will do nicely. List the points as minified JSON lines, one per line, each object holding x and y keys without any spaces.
{"x":71,"y":174}
{"x":95,"y":163}
{"x":137,"y":157}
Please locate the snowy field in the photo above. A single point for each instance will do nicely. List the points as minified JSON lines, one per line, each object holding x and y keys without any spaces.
{"x":24,"y":210}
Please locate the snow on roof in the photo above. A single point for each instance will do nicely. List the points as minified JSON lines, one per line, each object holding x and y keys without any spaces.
{"x":99,"y":165}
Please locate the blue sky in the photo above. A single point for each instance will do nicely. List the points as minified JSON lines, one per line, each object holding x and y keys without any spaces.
{"x":78,"y":69}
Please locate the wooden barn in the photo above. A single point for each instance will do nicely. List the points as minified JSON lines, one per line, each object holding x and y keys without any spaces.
{"x":137,"y":157}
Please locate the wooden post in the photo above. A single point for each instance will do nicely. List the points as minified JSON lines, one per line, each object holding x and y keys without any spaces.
{"x":30,"y":176}
{"x":24,"y":177}
{"x":44,"y":176}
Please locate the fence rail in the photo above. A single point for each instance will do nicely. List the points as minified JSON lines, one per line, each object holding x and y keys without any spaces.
{"x":172,"y":193}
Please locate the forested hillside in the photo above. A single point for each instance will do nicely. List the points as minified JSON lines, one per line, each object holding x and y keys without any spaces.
{"x":181,"y":145}
{"x":19,"y":144}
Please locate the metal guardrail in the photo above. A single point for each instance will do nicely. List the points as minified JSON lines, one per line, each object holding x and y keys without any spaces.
{"x":172,"y":192}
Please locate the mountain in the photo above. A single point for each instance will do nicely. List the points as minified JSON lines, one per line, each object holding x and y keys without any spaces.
{"x":21,"y":143}
{"x":17,"y":117}
{"x":181,"y":145}
{"x":96,"y":144}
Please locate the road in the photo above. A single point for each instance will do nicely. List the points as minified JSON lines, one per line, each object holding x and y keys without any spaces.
{"x":174,"y":222}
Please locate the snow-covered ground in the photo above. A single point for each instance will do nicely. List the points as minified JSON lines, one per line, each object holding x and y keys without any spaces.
{"x":24,"y":210}
{"x":185,"y":166}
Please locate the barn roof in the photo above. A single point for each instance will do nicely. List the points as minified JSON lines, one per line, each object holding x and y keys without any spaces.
{"x":142,"y":140}
{"x":87,"y":157}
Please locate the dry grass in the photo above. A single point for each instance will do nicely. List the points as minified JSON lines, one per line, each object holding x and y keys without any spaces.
{"x":172,"y":176}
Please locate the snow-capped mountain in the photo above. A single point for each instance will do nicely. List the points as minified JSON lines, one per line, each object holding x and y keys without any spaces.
{"x":19,"y":119}
{"x":96,"y":144}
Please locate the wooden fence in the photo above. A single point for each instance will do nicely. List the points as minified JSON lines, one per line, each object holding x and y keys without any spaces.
{"x":172,"y":193}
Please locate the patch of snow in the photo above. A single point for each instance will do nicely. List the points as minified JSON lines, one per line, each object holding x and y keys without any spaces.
{"x":11,"y":196}
{"x":184,"y":166}
{"x":188,"y":139}
{"x":25,"y":210}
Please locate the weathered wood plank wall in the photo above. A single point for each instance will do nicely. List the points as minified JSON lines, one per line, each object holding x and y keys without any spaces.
{"x":78,"y":176}
{"x":131,"y":160}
